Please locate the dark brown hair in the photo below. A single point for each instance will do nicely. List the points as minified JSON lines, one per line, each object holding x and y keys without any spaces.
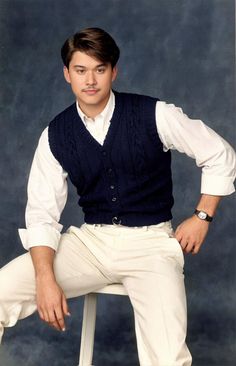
{"x":95,"y":42}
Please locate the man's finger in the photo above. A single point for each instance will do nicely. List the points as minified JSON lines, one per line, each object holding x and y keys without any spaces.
{"x":41,"y":315}
{"x":189,"y":247}
{"x":183,"y":243}
{"x":49,"y":318}
{"x":44,"y":315}
{"x":65,"y":306}
{"x":55,"y":325}
{"x":53,"y":320}
{"x":60,"y":318}
{"x":196,"y":249}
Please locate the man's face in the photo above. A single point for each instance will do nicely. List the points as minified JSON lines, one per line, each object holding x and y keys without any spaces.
{"x":90,"y":81}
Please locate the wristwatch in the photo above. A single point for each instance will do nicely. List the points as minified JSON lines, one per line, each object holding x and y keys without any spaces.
{"x":203,"y":215}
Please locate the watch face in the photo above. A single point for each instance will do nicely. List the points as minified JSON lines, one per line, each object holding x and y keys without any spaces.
{"x":202,"y":215}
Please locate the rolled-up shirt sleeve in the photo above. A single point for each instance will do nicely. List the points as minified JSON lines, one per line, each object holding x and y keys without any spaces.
{"x":47,"y":194}
{"x":193,"y":137}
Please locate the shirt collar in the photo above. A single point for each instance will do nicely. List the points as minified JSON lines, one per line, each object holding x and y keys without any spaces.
{"x":105,"y":115}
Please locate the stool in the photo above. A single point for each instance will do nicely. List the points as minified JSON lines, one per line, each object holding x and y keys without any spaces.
{"x":89,"y":320}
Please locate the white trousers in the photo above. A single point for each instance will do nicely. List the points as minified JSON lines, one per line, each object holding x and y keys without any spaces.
{"x":147,"y":260}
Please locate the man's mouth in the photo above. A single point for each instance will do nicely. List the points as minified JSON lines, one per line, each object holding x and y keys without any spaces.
{"x":90,"y":91}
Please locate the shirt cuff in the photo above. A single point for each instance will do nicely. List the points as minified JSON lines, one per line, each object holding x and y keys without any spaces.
{"x":217,"y":185}
{"x":40,"y":236}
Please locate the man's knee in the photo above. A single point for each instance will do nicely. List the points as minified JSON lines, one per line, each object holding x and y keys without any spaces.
{"x":5,"y":286}
{"x":14,"y":277}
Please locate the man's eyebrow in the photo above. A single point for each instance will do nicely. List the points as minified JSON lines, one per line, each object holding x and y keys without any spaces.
{"x":80,"y":66}
{"x":101,"y":65}
{"x":84,"y":67}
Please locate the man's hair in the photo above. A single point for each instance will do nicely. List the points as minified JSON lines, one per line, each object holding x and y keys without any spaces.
{"x":95,"y":42}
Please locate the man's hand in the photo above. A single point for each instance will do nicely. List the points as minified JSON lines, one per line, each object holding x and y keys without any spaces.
{"x":51,"y":303}
{"x":191,"y":234}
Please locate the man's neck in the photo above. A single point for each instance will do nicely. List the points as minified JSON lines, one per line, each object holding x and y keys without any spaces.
{"x":92,"y":111}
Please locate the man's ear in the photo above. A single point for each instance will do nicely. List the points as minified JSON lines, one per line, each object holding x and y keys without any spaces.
{"x":114,"y":73}
{"x":66,"y":74}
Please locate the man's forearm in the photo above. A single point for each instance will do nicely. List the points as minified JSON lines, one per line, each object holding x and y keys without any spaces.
{"x":208,"y":203}
{"x":42,"y":257}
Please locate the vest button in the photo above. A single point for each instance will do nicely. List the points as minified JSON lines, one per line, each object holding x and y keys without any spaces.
{"x":110,"y":170}
{"x":114,"y":199}
{"x":112,"y":187}
{"x":115,"y":220}
{"x":104,"y":153}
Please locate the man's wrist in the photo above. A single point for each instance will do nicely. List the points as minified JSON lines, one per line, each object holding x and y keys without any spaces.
{"x":46,"y":276}
{"x":203,"y":215}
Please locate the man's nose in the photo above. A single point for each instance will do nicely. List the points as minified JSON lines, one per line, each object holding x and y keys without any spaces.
{"x":91,"y":79}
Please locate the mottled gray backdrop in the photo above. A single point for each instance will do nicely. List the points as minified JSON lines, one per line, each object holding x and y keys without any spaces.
{"x":180,"y":51}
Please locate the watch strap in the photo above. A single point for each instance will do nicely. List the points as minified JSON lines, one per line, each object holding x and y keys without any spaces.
{"x":200,"y":214}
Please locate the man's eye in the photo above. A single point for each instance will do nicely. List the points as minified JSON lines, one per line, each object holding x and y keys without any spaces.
{"x":80,"y":72}
{"x":101,"y":70}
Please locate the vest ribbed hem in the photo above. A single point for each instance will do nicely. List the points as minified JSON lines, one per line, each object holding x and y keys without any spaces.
{"x":131,"y":220}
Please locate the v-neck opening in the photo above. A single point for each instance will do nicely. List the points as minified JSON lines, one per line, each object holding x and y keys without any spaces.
{"x":80,"y":129}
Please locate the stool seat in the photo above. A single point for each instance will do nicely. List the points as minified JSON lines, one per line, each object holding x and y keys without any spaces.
{"x":114,"y":289}
{"x":89,"y":320}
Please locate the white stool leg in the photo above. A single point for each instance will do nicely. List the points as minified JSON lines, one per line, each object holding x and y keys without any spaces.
{"x":88,"y":330}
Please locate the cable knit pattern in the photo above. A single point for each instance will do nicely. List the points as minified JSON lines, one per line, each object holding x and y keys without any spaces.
{"x":126,"y":180}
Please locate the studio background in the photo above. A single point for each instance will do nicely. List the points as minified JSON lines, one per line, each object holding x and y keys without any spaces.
{"x":180,"y":51}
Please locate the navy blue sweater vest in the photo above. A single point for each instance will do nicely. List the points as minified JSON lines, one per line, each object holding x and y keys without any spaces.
{"x":126,"y":180}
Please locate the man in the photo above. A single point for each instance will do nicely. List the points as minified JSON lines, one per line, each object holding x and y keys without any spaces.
{"x":115,"y":148}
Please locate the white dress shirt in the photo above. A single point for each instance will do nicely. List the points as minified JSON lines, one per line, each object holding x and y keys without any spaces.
{"x":47,"y":185}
